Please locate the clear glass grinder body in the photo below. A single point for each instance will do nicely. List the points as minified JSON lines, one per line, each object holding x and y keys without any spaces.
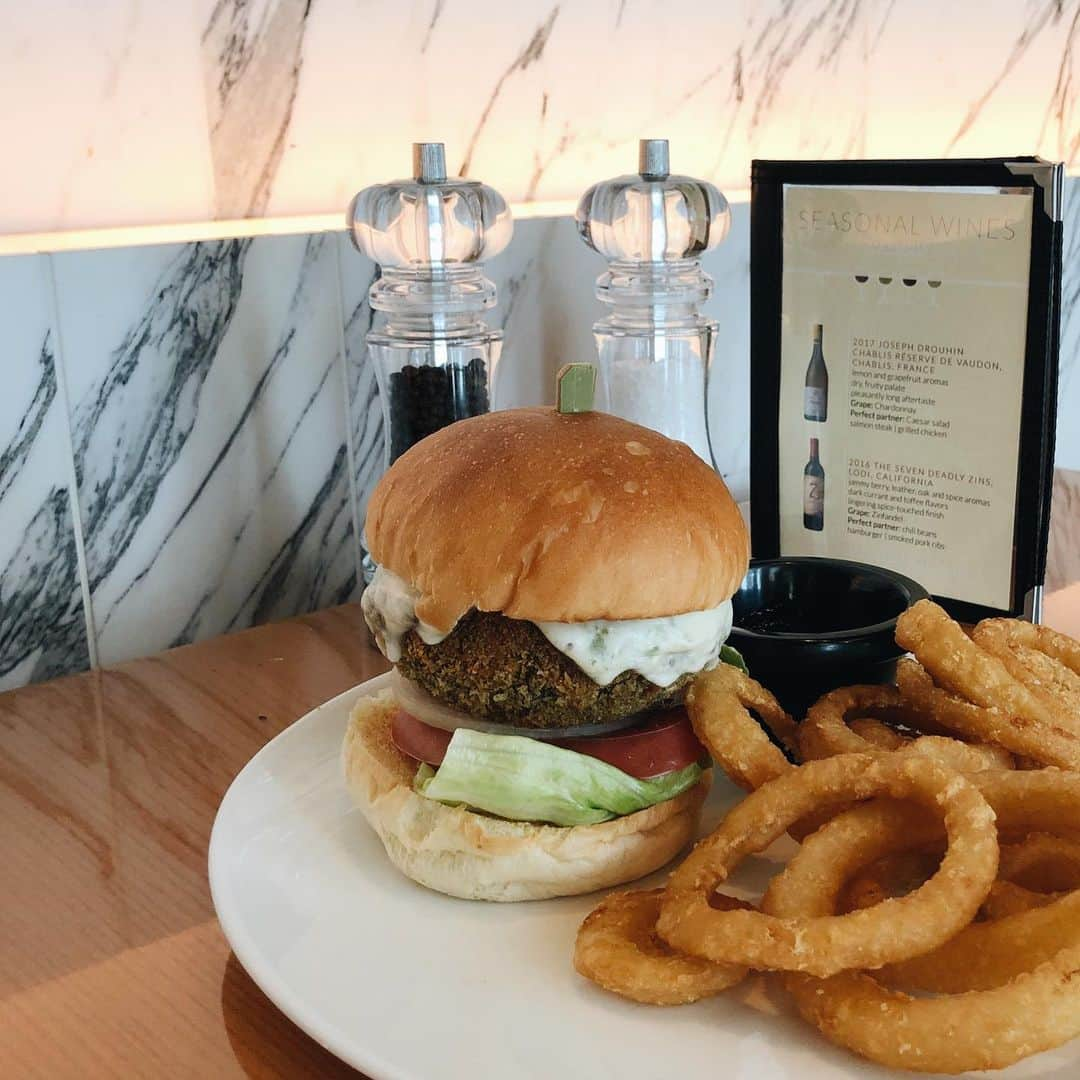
{"x":655,"y":347}
{"x":435,"y":357}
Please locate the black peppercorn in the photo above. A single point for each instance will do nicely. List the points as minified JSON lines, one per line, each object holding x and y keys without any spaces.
{"x":425,"y":398}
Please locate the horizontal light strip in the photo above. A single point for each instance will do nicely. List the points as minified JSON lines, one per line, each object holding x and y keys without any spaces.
{"x":189,"y":232}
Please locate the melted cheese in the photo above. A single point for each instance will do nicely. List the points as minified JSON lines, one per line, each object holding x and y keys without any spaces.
{"x":662,"y":650}
{"x":389,"y":606}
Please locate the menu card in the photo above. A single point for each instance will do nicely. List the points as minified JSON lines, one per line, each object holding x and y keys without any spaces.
{"x":904,"y":330}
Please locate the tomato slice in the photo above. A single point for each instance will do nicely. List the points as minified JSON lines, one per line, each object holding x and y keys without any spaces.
{"x":417,"y":739}
{"x":661,"y":744}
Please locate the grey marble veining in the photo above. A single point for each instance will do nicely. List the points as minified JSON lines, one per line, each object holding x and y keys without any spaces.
{"x":129,"y":426}
{"x":42,"y":619}
{"x":529,"y":55}
{"x":209,"y":436}
{"x":1047,"y":22}
{"x":31,"y":419}
{"x":289,"y":106}
{"x":252,"y":63}
{"x":357,"y":274}
{"x":545,"y":105}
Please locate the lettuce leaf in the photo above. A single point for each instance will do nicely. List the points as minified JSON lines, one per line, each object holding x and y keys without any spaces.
{"x":732,"y":656}
{"x":524,"y":779}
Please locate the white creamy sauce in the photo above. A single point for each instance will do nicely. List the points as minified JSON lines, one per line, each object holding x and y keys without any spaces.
{"x":389,"y":606}
{"x":662,"y":650}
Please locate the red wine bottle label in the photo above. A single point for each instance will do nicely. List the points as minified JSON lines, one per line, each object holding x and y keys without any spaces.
{"x":813,"y":496}
{"x":814,"y":402}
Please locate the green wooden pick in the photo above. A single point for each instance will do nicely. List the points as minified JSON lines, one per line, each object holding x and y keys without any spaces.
{"x":575,"y":387}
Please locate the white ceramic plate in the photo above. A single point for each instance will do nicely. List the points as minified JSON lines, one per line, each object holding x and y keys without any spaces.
{"x":406,"y":984}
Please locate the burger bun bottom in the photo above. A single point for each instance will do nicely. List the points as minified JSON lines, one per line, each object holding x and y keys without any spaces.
{"x":477,"y":857}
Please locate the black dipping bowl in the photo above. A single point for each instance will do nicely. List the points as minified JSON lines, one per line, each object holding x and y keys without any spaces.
{"x":806,"y":625}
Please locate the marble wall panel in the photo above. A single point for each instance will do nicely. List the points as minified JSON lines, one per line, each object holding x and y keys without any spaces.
{"x":208,"y":428}
{"x":104,"y":118}
{"x":357,"y":274}
{"x":43,"y":631}
{"x":130,"y":113}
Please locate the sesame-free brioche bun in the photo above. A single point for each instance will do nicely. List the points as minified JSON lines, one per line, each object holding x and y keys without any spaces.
{"x":556,"y":517}
{"x":477,"y":857}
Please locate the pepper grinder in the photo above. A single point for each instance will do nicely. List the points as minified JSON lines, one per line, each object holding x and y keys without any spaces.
{"x":656,"y":346}
{"x":434,"y":355}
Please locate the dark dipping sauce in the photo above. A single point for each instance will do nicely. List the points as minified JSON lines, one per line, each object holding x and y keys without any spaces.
{"x":780,"y":619}
{"x":808,"y":625}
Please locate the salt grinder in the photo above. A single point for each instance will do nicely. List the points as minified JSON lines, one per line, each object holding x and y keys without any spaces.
{"x":434,"y":355}
{"x":656,"y":345}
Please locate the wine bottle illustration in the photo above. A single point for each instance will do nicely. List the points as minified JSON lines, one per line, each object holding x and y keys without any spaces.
{"x":814,"y":491}
{"x":816,"y":392}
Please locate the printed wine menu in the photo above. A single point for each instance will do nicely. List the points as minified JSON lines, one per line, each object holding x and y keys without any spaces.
{"x":904,"y":351}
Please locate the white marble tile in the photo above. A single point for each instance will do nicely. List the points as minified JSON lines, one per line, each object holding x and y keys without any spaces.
{"x":541,"y":98}
{"x":251,"y":61}
{"x":209,"y":432}
{"x":357,"y":274}
{"x":134,"y":112}
{"x":42,"y":620}
{"x":1063,"y":549}
{"x":104,"y":120}
{"x":990,"y":79}
{"x":546,"y":308}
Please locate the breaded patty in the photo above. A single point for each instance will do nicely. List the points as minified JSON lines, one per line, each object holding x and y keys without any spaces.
{"x":506,"y":671}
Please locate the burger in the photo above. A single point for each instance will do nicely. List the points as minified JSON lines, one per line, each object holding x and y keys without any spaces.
{"x":548,"y":585}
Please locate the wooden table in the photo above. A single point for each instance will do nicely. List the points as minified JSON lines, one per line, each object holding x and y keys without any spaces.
{"x":111,"y":961}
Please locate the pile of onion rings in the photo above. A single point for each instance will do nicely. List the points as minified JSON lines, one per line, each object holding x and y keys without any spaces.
{"x":853,"y":720}
{"x":1005,"y":685}
{"x":939,"y":822}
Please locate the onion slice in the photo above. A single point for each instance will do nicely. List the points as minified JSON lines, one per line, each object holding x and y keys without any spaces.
{"x":419,"y":703}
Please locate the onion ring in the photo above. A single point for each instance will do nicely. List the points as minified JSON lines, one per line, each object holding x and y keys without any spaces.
{"x":987,"y":955}
{"x":718,"y":704}
{"x":876,"y":733}
{"x":1017,"y":632}
{"x":888,"y":877}
{"x":827,"y":730}
{"x":617,"y":948}
{"x":1008,"y":898}
{"x":958,"y":664}
{"x":981,"y":956}
{"x":1042,"y":863}
{"x":1046,"y":662}
{"x":987,"y":1029}
{"x":1047,"y":743}
{"x":822,"y":946}
{"x":962,"y":756}
{"x":1023,"y":1013}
